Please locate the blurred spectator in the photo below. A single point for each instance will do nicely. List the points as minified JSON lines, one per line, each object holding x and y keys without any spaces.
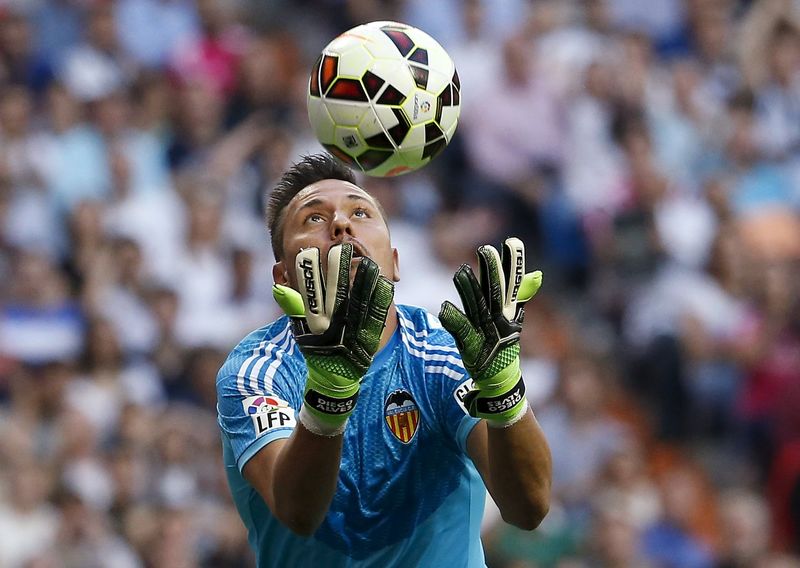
{"x":29,"y":523}
{"x":197,"y":126}
{"x":167,"y":353}
{"x":758,"y":184}
{"x":615,"y":541}
{"x":19,"y":61}
{"x":669,"y":541}
{"x":98,"y":67}
{"x":120,"y":282}
{"x":626,"y":485}
{"x":109,"y":380}
{"x":85,"y":539}
{"x":77,"y":170}
{"x":768,"y":347}
{"x":476,"y":55}
{"x":29,"y":220}
{"x":151,"y":31}
{"x":212,"y":57}
{"x":582,"y":437}
{"x":59,"y":26}
{"x":593,"y":168}
{"x":501,"y":146}
{"x":39,"y":322}
{"x":744,"y":522}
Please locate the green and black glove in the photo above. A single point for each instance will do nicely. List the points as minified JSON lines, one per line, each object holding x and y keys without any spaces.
{"x":338,"y":330}
{"x":487,"y":331}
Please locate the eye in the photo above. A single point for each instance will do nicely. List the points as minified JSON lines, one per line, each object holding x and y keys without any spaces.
{"x":361,"y":213}
{"x":315,"y":218}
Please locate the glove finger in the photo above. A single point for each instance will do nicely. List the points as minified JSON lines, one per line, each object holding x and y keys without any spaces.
{"x":290,"y":300}
{"x":493,"y":282}
{"x":338,"y":276}
{"x":469,"y":290}
{"x":363,"y":285}
{"x":312,"y":289}
{"x":382,"y":296}
{"x":463,"y":331}
{"x":531,"y":283}
{"x":513,"y":262}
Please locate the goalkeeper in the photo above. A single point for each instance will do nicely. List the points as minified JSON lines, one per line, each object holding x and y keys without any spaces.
{"x":357,"y":432}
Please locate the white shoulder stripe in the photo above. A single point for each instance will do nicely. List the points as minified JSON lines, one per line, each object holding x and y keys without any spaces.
{"x":446,"y":371}
{"x":276,"y":343}
{"x":273,"y":367}
{"x":420,"y":337}
{"x":445,"y":359}
{"x":423,"y":342}
{"x":243,"y":369}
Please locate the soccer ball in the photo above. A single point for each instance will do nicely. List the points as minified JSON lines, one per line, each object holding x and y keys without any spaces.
{"x":384,"y":98}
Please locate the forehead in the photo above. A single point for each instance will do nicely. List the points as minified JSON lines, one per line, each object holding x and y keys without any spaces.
{"x":329,"y":191}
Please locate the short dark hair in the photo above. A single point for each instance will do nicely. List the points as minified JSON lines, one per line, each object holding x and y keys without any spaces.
{"x":310,"y":169}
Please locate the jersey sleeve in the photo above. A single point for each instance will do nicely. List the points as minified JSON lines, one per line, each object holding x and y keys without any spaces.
{"x":445,"y":370}
{"x":257,"y":403}
{"x":456,"y":421}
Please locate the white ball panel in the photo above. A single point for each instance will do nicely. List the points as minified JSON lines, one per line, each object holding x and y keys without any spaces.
{"x":354,"y":61}
{"x":449,"y":117}
{"x":370,"y":125}
{"x":395,"y":72}
{"x":437,"y":81}
{"x":448,"y":134}
{"x":439,"y":59}
{"x":344,"y":43}
{"x":346,"y":113}
{"x":386,"y":116}
{"x":321,"y":120}
{"x":415,"y":137}
{"x":413,"y":157}
{"x":378,"y":43}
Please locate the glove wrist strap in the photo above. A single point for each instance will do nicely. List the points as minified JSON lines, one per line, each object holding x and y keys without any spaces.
{"x":502,"y":406}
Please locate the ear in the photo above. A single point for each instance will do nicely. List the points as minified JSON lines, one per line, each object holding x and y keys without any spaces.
{"x":279,"y":274}
{"x":396,"y":265}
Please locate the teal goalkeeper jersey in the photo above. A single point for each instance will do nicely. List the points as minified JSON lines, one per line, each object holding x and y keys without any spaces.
{"x":408,"y":494}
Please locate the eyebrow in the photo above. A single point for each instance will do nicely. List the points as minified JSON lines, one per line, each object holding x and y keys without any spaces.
{"x":311,"y":203}
{"x":357,"y":197}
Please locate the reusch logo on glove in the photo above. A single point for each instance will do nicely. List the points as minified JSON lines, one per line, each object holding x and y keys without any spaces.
{"x":519,"y":272}
{"x":308,"y":280}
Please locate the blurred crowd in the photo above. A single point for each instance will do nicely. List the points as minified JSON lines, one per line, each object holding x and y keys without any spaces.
{"x":648,"y":153}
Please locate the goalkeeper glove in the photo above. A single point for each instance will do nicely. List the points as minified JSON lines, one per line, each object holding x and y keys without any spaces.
{"x":487,"y":332}
{"x":337,"y":330}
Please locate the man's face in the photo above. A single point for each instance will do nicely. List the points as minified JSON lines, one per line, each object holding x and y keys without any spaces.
{"x":328,"y":213}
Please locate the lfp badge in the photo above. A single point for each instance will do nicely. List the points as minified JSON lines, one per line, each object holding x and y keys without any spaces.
{"x":269,"y":413}
{"x":402,"y":415}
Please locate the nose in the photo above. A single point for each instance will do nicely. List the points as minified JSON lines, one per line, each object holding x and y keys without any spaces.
{"x":341,"y":226}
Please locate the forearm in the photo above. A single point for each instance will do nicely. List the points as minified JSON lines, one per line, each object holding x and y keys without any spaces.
{"x":305,"y":478}
{"x":520,"y":471}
